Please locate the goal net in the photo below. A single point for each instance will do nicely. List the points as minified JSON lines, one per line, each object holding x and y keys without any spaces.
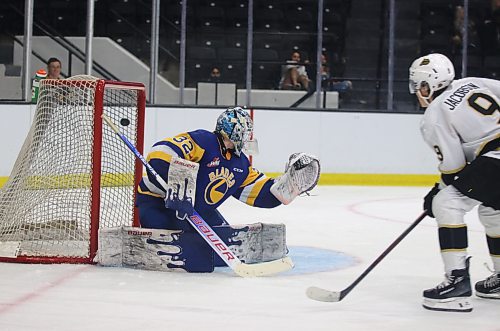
{"x":72,"y":175}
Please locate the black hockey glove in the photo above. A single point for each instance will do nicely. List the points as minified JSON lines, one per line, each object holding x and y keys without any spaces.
{"x":428,"y":199}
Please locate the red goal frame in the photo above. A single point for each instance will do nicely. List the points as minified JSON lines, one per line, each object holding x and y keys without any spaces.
{"x":101,"y":86}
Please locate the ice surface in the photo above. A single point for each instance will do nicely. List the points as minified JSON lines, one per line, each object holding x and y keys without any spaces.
{"x":333,"y":236}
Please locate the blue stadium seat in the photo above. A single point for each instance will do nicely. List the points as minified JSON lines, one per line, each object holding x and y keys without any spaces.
{"x":201,"y":53}
{"x":300,"y":19}
{"x":237,"y":40}
{"x":234,"y":73}
{"x":210,"y":18}
{"x":231,"y":54}
{"x":237,"y":18}
{"x":266,"y":75}
{"x":265,"y":54}
{"x":269,"y":19}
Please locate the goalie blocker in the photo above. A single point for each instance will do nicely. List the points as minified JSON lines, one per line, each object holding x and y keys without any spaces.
{"x":167,"y":250}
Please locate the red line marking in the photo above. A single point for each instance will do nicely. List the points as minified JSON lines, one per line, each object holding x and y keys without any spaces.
{"x":353,"y":208}
{"x":39,"y":292}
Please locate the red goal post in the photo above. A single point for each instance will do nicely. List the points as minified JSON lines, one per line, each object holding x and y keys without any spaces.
{"x":72,"y":176}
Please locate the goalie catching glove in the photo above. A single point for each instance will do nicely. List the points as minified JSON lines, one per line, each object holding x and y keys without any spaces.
{"x":301,"y":175}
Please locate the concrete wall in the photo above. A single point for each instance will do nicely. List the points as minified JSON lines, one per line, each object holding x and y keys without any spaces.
{"x":10,"y":86}
{"x":108,"y":54}
{"x":356,"y":143}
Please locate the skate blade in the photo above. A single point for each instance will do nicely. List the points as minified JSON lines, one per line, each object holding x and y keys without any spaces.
{"x":462,"y":304}
{"x":495,"y":296}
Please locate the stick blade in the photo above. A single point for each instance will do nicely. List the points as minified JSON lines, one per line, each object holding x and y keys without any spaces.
{"x":264,"y":268}
{"x":319,"y":294}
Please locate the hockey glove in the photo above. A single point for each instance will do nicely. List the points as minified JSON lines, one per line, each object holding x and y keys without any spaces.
{"x":301,"y":175}
{"x":183,"y":207}
{"x":428,"y":199}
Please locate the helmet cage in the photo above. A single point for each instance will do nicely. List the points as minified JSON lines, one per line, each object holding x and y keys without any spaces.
{"x":236,"y":125}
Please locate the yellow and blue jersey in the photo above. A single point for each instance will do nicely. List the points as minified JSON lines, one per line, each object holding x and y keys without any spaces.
{"x":221,"y":173}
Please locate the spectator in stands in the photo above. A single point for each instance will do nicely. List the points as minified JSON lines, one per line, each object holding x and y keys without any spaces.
{"x":472,"y":30}
{"x":294,"y":74}
{"x":330,"y":84}
{"x":214,"y":75}
{"x":54,"y":68}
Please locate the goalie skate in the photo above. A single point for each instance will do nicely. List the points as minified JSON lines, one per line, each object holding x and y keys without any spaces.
{"x":453,"y":294}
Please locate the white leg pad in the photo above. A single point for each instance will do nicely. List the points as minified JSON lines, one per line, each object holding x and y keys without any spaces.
{"x":167,"y":250}
{"x":257,"y":242}
{"x":137,"y":248}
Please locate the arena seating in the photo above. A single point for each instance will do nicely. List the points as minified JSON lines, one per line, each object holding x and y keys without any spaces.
{"x":355,"y":37}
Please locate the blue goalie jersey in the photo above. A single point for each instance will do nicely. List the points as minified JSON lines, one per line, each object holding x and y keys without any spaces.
{"x":221,"y":174}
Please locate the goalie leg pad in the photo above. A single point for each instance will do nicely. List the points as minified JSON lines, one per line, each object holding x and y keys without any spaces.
{"x":169,"y":250}
{"x":254,"y":243}
{"x":154,"y":249}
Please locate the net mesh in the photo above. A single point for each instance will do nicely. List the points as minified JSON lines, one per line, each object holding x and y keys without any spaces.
{"x":46,"y":205}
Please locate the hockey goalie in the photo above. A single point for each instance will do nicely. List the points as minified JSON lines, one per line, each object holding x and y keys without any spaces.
{"x":202,"y":169}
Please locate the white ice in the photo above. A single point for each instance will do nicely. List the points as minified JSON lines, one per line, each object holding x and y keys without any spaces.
{"x":358,"y":221}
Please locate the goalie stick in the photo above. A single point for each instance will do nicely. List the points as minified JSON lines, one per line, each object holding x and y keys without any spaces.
{"x":320,"y":294}
{"x":208,"y":234}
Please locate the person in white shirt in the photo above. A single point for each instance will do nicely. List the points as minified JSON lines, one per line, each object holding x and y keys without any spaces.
{"x":461,"y":124}
{"x":294,"y":75}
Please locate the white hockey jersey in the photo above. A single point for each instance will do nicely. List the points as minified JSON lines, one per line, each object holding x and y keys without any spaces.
{"x":461,"y":121}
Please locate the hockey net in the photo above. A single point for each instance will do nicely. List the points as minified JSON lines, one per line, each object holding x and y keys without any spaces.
{"x":72,"y":176}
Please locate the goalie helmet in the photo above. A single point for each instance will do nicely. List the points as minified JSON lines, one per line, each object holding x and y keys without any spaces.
{"x":434,"y":70}
{"x":236,"y":125}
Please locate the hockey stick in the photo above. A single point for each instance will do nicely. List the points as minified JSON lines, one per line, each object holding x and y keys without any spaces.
{"x":320,"y":294}
{"x":208,"y":234}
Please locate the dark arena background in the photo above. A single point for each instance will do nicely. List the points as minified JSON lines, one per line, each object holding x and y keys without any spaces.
{"x":162,"y":67}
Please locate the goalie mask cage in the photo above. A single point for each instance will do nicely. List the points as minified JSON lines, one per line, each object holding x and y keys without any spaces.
{"x":73,"y":175}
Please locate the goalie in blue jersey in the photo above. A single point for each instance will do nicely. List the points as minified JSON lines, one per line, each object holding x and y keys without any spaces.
{"x":203,"y":169}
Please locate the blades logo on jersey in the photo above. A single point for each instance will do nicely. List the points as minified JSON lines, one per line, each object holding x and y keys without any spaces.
{"x":221,"y":180}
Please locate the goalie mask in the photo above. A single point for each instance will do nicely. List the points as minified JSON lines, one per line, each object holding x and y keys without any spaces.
{"x":434,"y":70}
{"x":236,"y":125}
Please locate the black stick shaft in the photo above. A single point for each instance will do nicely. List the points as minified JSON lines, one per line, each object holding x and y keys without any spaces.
{"x":344,"y":292}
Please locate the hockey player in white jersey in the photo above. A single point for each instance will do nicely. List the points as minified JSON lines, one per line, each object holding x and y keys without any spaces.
{"x":461,"y":124}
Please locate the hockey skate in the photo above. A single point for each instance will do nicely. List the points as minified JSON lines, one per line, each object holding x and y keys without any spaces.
{"x":453,"y":294}
{"x":489,"y":288}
